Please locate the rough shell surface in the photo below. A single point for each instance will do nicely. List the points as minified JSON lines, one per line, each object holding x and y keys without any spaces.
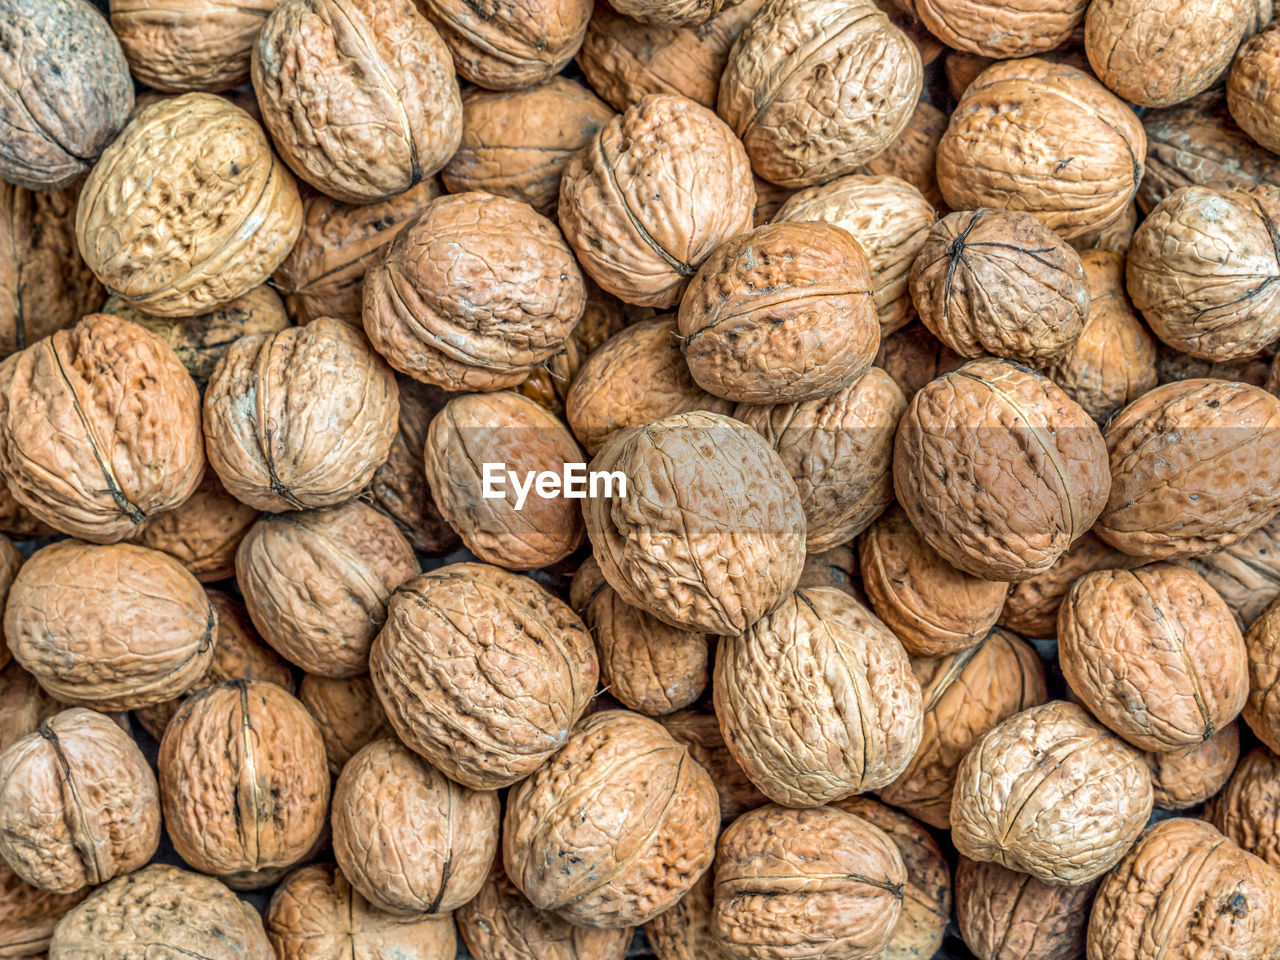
{"x":684,"y":932}
{"x":29,"y":914}
{"x":203,"y":533}
{"x":1006,"y":915}
{"x":1253,"y":89}
{"x":1245,"y":574}
{"x":1183,"y":778}
{"x":1262,"y":711}
{"x":1000,"y":31}
{"x":913,"y":356}
{"x":1031,"y":607}
{"x":912,"y":155}
{"x":1248,"y":808}
{"x":671,"y":13}
{"x":24,"y":705}
{"x":700,"y":732}
{"x":348,"y":713}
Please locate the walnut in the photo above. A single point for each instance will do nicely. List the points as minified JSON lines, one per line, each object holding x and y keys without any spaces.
{"x":1245,"y":574}
{"x":409,"y":840}
{"x":66,"y":91}
{"x":29,"y":914}
{"x":700,"y":733}
{"x":1253,"y":93}
{"x":348,"y":713}
{"x":671,"y":13}
{"x":360,"y":98}
{"x":805,"y":885}
{"x":836,"y":567}
{"x":300,"y":418}
{"x":1031,"y":608}
{"x":1115,"y":237}
{"x":913,"y":356}
{"x":1174,"y":365}
{"x":78,"y":803}
{"x":1262,"y":711}
{"x":1006,"y":915}
{"x":683,"y":932}
{"x":912,"y":156}
{"x":203,"y":533}
{"x":1012,"y":30}
{"x":1046,"y":139}
{"x":243,"y":780}
{"x":1248,"y":809}
{"x":17,"y":521}
{"x":1052,"y":793}
{"x":1184,"y":778}
{"x":24,"y":705}
{"x":238,"y":216}
{"x":615,"y":828}
{"x":978,"y":441}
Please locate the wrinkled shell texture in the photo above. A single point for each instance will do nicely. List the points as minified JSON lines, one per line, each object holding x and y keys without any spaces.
{"x":700,"y":733}
{"x":348,"y":714}
{"x":817,"y":700}
{"x":360,"y":98}
{"x":214,"y":217}
{"x":1183,"y":778}
{"x":1046,"y":139}
{"x":913,"y":356}
{"x":671,"y":12}
{"x":243,"y":779}
{"x":99,"y":428}
{"x":24,"y":704}
{"x":482,"y":671}
{"x":202,"y":534}
{"x":912,"y":156}
{"x":615,"y":828}
{"x":1195,"y":467}
{"x":782,"y":314}
{"x":1253,"y":89}
{"x":806,"y":885}
{"x":1006,"y":915}
{"x":1052,"y":793}
{"x":1187,"y":888}
{"x":473,"y":294}
{"x":78,"y":803}
{"x":410,"y":840}
{"x":816,"y":87}
{"x":999,"y":469}
{"x":684,"y":932}
{"x":66,"y":91}
{"x":1245,"y":574}
{"x":1000,"y":30}
{"x":641,"y":249}
{"x":1262,"y":711}
{"x":1031,"y":608}
{"x":1247,"y":810}
{"x":701,"y":489}
{"x":1204,"y":270}
{"x":112,"y":627}
{"x":300,"y":418}
{"x":510,"y":46}
{"x":316,"y":583}
{"x":29,"y":914}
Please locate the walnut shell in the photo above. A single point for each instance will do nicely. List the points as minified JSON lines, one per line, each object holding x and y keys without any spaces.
{"x":1184,"y":778}
{"x":700,"y":733}
{"x":1253,"y":91}
{"x":203,"y":533}
{"x":1195,"y":467}
{"x":963,"y":696}
{"x":1174,"y":365}
{"x":991,"y":281}
{"x":10,"y":561}
{"x":836,"y":567}
{"x":1046,"y":139}
{"x":300,"y":418}
{"x":816,"y":87}
{"x":360,"y":98}
{"x":838,"y":449}
{"x":348,"y":713}
{"x":1262,"y":711}
{"x":613,"y":829}
{"x":913,"y":356}
{"x":643,"y":250}
{"x":1031,"y":607}
{"x":66,"y":91}
{"x":409,"y":840}
{"x":1248,"y":809}
{"x":243,"y":779}
{"x":683,"y":932}
{"x":671,"y":13}
{"x":1184,"y":891}
{"x":912,"y":156}
{"x":701,"y":488}
{"x":238,"y":216}
{"x":782,"y":314}
{"x":1052,"y":793}
{"x":78,"y":803}
{"x":29,"y":914}
{"x":482,"y":671}
{"x":983,"y":439}
{"x":1008,"y":30}
{"x":24,"y":705}
{"x":1006,"y":915}
{"x":802,"y":884}
{"x":17,"y":521}
{"x":1245,"y":574}
{"x":1115,"y":237}
{"x":316,"y":915}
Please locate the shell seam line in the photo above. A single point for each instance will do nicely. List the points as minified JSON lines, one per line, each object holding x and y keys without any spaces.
{"x":679,"y":266}
{"x":83,"y":846}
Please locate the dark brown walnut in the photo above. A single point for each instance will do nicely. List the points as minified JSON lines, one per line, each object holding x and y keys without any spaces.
{"x":516,"y":143}
{"x":1031,"y":607}
{"x":1183,"y":778}
{"x":78,"y":803}
{"x":781,"y":314}
{"x":519,"y":531}
{"x":998,"y":469}
{"x":1245,"y":574}
{"x":99,"y":428}
{"x":1114,"y":237}
{"x":615,"y":828}
{"x":482,"y":671}
{"x":1174,"y":365}
{"x":410,"y":840}
{"x":1248,"y":809}
{"x":500,"y":924}
{"x":360,"y":98}
{"x":962,"y":69}
{"x":66,"y":91}
{"x":300,"y":418}
{"x":837,"y":567}
{"x":912,"y":156}
{"x":1006,"y":915}
{"x":805,"y":885}
{"x":186,"y":914}
{"x":643,"y":250}
{"x":509,"y":47}
{"x":44,"y":283}
{"x":244,"y":781}
{"x":1253,"y":88}
{"x":700,"y":732}
{"x":239,"y":215}
{"x":203,"y":533}
{"x":1262,"y":711}
{"x":815,"y":87}
{"x":473,"y":294}
{"x":29,"y":914}
{"x":109,"y":627}
{"x":316,"y":915}
{"x":1050,"y":792}
{"x":1195,"y":467}
{"x":933,"y":608}
{"x":1113,"y":362}
{"x":839,"y":450}
{"x":1000,"y":31}
{"x":24,"y":705}
{"x":17,"y":521}
{"x":316,"y":583}
{"x":1157,"y":54}
{"x":645,"y":664}
{"x":805,"y":740}
{"x":701,"y":489}
{"x":348,"y":713}
{"x":913,"y":356}
{"x":997,"y":282}
{"x":963,"y":696}
{"x":1185,"y":891}
{"x":1046,"y":139}
{"x":1203,"y":270}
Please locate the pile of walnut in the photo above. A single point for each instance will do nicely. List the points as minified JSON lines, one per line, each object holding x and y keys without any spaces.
{"x":933,"y":340}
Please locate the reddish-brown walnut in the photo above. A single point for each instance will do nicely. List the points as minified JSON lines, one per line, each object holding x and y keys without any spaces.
{"x":203,"y":533}
{"x":1245,"y":574}
{"x":1000,"y":31}
{"x":1253,"y":88}
{"x":1006,"y":915}
{"x":1184,"y":778}
{"x":913,"y":356}
{"x":348,"y":713}
{"x":1262,"y":711}
{"x":1248,"y":810}
{"x":24,"y":705}
{"x":700,"y":732}
{"x":1031,"y":608}
{"x":29,"y":914}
